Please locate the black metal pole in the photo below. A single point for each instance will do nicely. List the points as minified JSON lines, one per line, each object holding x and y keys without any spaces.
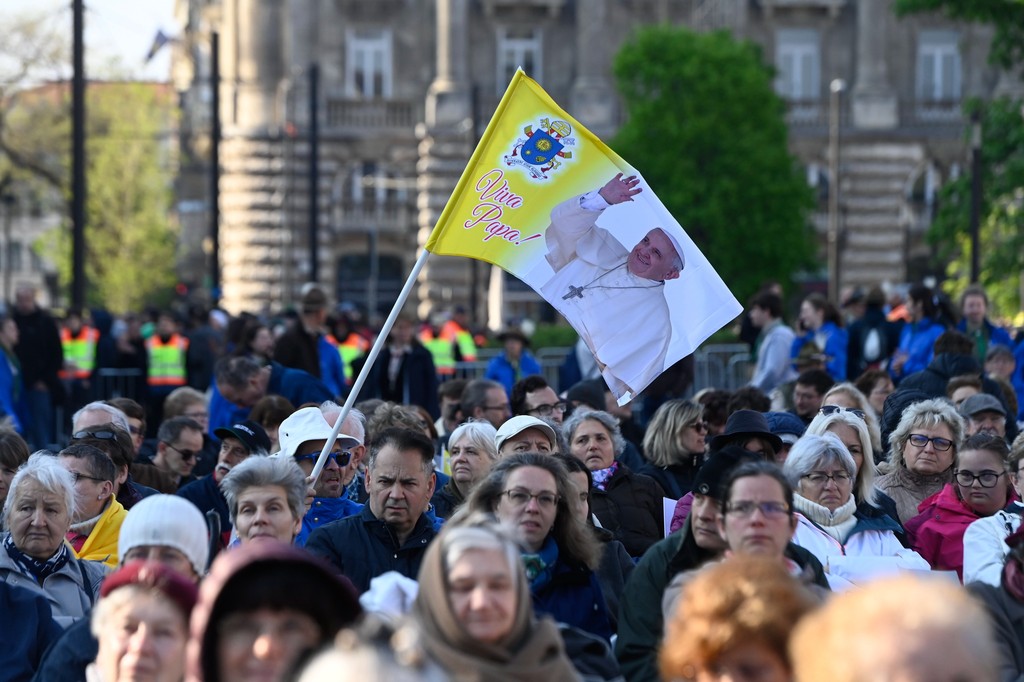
{"x":78,"y":156}
{"x":314,"y":173}
{"x":975,"y":197}
{"x":215,"y":291}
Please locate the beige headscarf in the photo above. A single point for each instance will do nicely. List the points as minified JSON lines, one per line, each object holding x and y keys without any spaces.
{"x":532,"y":651}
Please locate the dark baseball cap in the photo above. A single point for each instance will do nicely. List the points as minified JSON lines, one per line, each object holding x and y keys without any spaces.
{"x":712,"y":474}
{"x":250,"y":433}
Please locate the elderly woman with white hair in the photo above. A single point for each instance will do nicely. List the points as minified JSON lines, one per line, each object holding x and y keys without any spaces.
{"x":922,"y":454}
{"x":33,"y":555}
{"x":473,"y":453}
{"x":853,"y":540}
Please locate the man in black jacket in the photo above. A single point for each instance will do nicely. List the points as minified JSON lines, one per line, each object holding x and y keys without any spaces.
{"x":41,"y":356}
{"x":393,"y":531}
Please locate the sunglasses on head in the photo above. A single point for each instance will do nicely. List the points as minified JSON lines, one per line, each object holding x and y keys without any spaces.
{"x":833,"y":409}
{"x":98,"y":435}
{"x":341,"y":457}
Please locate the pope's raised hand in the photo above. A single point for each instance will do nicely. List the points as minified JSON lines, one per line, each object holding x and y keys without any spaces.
{"x":620,"y":189}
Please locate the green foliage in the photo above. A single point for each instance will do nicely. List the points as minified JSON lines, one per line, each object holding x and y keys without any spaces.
{"x":1006,"y":16}
{"x":1002,"y":210}
{"x":553,"y":336}
{"x":707,"y":131}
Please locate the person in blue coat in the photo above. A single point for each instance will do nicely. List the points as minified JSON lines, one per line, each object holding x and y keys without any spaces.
{"x":515,"y":361}
{"x":976,"y":325}
{"x":820,"y":321}
{"x":919,"y":335}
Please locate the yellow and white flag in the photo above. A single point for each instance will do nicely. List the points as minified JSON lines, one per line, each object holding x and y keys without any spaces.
{"x":547,"y":201}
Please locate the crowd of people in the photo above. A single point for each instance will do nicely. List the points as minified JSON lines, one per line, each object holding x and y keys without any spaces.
{"x":853,"y":513}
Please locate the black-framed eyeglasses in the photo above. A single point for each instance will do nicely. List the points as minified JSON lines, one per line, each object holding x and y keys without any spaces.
{"x":920,"y":440}
{"x":520,"y":497}
{"x":819,"y":477}
{"x":987,"y":479}
{"x":98,"y":435}
{"x":185,"y":454}
{"x":340,"y":457}
{"x":547,"y":409}
{"x":833,"y":409}
{"x":78,"y":476}
{"x":770,"y":510}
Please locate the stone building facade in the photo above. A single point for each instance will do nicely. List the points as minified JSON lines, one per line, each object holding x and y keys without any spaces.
{"x":405,"y":86}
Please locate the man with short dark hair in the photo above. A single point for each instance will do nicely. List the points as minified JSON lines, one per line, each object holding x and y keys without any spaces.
{"x":774,"y":342}
{"x":809,"y":392}
{"x":976,"y":325}
{"x":534,"y":397}
{"x":392,"y":531}
{"x":486,"y":399}
{"x":179,"y":442}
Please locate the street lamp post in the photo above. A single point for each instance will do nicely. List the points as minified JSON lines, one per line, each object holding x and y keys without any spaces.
{"x":836,"y":88}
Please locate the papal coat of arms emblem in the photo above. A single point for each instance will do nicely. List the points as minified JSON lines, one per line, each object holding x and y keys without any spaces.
{"x":542,"y":150}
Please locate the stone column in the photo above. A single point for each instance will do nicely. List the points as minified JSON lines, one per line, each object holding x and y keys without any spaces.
{"x":446,"y":143}
{"x":874,"y":99}
{"x":593,"y":97}
{"x":448,"y":98}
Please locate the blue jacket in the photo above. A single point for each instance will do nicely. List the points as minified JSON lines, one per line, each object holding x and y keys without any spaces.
{"x":501,"y":370}
{"x":997,"y":336}
{"x":70,"y":655}
{"x":297,"y":386}
{"x":363,"y":547}
{"x":323,"y":511}
{"x":222,"y":413}
{"x":574,"y":597}
{"x":1018,"y":378}
{"x":917,"y":340}
{"x":332,"y":373}
{"x":26,"y":630}
{"x":12,"y":394}
{"x":835,"y":348}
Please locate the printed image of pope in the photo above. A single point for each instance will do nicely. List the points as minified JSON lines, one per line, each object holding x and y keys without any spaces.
{"x":613,"y":296}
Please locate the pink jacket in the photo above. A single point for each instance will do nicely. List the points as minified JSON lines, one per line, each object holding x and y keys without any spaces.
{"x":937,"y":532}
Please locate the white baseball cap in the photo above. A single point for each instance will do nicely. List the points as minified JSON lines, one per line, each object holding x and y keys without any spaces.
{"x":305,"y":425}
{"x":516,"y":425}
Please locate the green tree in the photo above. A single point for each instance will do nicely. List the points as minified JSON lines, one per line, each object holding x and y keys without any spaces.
{"x":130,"y":235}
{"x":708,"y":132}
{"x":1005,"y":16}
{"x":1002,"y":210}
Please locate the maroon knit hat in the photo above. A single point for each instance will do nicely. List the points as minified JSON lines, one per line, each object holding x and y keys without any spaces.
{"x":176,"y":587}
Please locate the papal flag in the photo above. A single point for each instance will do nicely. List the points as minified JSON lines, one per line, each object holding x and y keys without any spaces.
{"x":549,"y":202}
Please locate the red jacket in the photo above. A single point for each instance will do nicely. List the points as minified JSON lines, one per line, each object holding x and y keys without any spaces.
{"x":937,"y":532}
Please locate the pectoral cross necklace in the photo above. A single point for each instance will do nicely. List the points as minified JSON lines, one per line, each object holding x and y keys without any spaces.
{"x":577,"y":292}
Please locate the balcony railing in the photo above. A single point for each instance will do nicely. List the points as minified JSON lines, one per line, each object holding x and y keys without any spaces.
{"x":370,"y":114}
{"x":389,"y":217}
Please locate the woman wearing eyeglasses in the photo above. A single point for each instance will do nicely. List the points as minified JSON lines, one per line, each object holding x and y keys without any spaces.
{"x":852,"y":540}
{"x":922,"y":455}
{"x":533,"y":495}
{"x":849,"y":396}
{"x":981,"y":487}
{"x":674,"y":446}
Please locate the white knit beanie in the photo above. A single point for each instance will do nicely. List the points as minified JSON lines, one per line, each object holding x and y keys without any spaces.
{"x":167,"y":521}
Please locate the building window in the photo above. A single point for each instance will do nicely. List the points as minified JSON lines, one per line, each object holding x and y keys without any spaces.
{"x":798,"y":62}
{"x":938,"y":66}
{"x":368,"y":63}
{"x":518,"y":47}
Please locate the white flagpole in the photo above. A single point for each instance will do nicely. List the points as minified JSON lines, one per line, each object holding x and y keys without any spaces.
{"x":371,"y":357}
